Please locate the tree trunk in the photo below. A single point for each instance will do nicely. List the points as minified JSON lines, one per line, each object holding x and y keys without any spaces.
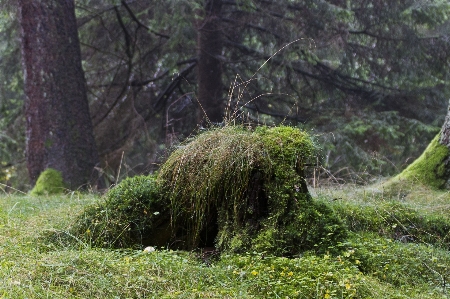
{"x":432,"y":168}
{"x":58,"y":124}
{"x":210,"y":89}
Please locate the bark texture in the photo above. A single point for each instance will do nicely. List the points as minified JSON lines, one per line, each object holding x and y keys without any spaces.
{"x":444,"y":139}
{"x":58,"y":124}
{"x":210,"y":44}
{"x":445,"y":131}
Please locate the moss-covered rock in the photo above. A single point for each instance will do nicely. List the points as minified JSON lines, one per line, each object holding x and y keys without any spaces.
{"x":241,"y":189}
{"x":49,"y":182}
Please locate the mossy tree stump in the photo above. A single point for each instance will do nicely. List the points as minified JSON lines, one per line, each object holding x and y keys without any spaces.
{"x":431,"y":169}
{"x":232,"y":188}
{"x":240,"y":189}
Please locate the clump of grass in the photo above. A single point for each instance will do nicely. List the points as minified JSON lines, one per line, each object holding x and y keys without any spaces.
{"x":216,"y":166}
{"x":245,"y":189}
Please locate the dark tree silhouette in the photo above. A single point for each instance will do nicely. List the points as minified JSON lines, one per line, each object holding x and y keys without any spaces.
{"x":210,"y":45}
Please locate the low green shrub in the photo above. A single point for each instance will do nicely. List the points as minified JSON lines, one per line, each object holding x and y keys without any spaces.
{"x":131,"y":214}
{"x":50,"y":182}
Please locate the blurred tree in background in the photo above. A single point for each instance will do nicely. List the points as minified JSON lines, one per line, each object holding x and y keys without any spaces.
{"x":370,"y":77}
{"x":59,"y":131}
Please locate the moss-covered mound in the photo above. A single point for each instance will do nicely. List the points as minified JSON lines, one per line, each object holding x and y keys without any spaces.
{"x":241,"y":189}
{"x":127,"y":216}
{"x":233,"y":188}
{"x":49,"y":182}
{"x":428,"y":170}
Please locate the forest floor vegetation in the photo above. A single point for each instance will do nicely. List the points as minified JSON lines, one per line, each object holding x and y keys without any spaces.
{"x":397,"y":248}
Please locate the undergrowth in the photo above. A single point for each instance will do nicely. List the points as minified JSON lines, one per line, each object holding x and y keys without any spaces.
{"x":369,"y":264}
{"x":395,"y":220}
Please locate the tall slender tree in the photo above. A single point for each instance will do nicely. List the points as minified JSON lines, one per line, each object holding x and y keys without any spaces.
{"x":58,"y":124}
{"x":210,"y":46}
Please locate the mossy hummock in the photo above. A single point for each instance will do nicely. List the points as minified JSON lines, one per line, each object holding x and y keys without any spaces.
{"x":430,"y":169}
{"x":49,"y":182}
{"x":130,"y":215}
{"x":233,"y":188}
{"x":242,"y":189}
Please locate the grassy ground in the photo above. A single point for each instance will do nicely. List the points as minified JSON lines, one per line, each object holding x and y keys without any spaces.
{"x":398,"y":248}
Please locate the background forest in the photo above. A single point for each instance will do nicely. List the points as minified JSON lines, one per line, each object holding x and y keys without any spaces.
{"x":368,"y":78}
{"x":226,"y":213}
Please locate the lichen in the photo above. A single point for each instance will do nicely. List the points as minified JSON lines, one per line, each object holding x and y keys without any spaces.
{"x":429,"y":169}
{"x":50,"y":182}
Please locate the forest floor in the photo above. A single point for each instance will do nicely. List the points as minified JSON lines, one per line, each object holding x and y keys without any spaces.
{"x":397,"y":248}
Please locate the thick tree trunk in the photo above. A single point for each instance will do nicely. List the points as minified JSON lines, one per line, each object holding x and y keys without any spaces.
{"x":58,"y":125}
{"x":210,"y":45}
{"x":432,"y":168}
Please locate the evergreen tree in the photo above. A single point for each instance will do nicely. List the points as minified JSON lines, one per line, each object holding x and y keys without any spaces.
{"x":371,"y":75}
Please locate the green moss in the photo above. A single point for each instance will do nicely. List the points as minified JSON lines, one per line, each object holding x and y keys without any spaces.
{"x":130,"y":215}
{"x":50,"y":181}
{"x":233,"y":188}
{"x":247,"y":190}
{"x":395,"y":220}
{"x":428,"y":169}
{"x":48,"y":143}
